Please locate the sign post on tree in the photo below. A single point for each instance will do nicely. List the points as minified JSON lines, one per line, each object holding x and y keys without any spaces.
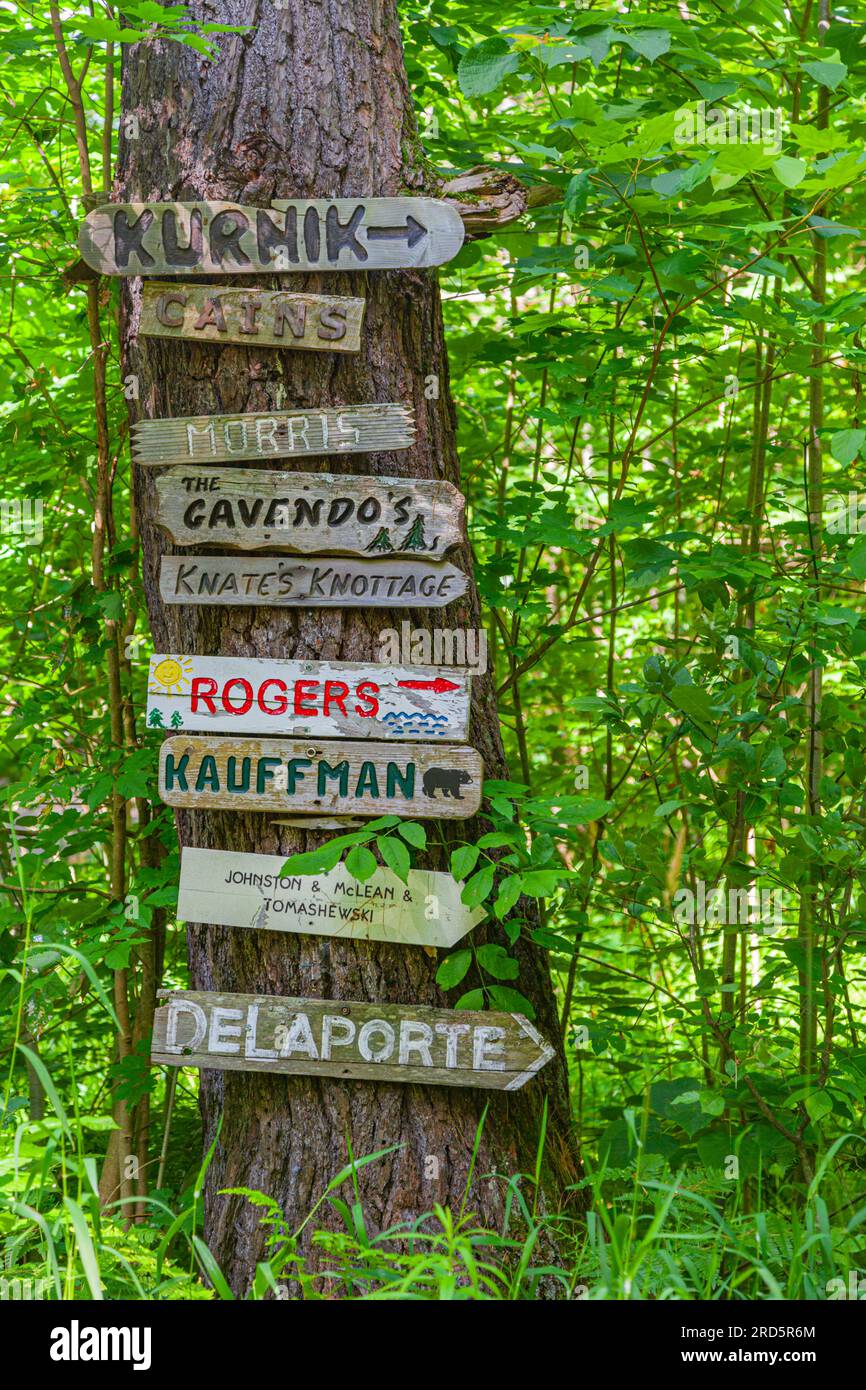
{"x":252,"y":890}
{"x":340,"y":778}
{"x":299,"y":234}
{"x":296,"y":110}
{"x":255,"y":695}
{"x":349,"y":1040}
{"x":254,"y":318}
{"x":325,"y":513}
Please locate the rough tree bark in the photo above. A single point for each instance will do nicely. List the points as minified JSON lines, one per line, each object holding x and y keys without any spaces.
{"x":312,"y":101}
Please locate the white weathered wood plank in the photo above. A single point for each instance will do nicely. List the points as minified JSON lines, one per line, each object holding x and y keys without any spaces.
{"x":363,"y":779}
{"x":320,"y":582}
{"x":310,"y":513}
{"x":258,"y":695}
{"x":252,"y":317}
{"x":227,"y":889}
{"x":349,"y":429}
{"x":348,"y":1040}
{"x":222,"y":238}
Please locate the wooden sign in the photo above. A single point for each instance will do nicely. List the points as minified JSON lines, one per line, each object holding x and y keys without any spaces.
{"x":361,"y":779}
{"x":256,"y":318}
{"x":318,"y":583}
{"x":352,"y":429}
{"x":310,"y":513}
{"x":298,"y":234}
{"x":257,"y":695}
{"x":250,"y":890}
{"x":349,"y":1040}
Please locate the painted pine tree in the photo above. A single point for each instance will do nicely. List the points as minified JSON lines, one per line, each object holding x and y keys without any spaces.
{"x":381,"y":541}
{"x":415,"y":538}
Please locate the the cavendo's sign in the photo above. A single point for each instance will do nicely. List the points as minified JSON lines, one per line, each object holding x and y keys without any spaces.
{"x":310,"y":513}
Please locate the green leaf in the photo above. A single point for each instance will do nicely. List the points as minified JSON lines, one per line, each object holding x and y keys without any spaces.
{"x":857,"y":558}
{"x":485,"y":66}
{"x":576,"y":193}
{"x":649,"y":43}
{"x":790,"y":171}
{"x":361,"y":863}
{"x":212,"y":1269}
{"x":497,"y":838}
{"x":825,"y":229}
{"x":463,"y":860}
{"x":678,"y":181}
{"x":84,"y":1244}
{"x":453,"y":969}
{"x":497,"y":787}
{"x":711,"y":1103}
{"x":693,"y":701}
{"x":511,"y":1001}
{"x":510,"y":889}
{"x":413,"y":834}
{"x":478,"y":886}
{"x":497,"y":962}
{"x":818,"y":1104}
{"x":598,"y":43}
{"x":47,"y":1084}
{"x":845,"y":445}
{"x":826,"y":73}
{"x":395,"y":855}
{"x":472,"y":999}
{"x":540,"y":883}
{"x":326,"y":857}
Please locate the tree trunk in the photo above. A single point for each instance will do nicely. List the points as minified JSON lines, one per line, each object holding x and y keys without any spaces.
{"x":312,"y":101}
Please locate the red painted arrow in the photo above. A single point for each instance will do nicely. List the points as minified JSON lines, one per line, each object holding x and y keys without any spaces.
{"x":439,"y":685}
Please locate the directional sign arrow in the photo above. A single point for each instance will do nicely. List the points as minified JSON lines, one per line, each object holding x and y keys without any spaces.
{"x":440,"y":685}
{"x":225,"y":888}
{"x":545,"y":1052}
{"x":411,"y":233}
{"x":260,"y":695}
{"x":218,"y":238}
{"x":348,"y":1040}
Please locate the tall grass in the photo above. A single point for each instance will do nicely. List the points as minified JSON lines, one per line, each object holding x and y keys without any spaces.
{"x":685,"y":1237}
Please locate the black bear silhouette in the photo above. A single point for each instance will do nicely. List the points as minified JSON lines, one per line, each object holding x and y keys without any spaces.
{"x":448,"y":780}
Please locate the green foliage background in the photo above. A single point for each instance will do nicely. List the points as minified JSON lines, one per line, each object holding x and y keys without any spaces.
{"x":657,"y":372}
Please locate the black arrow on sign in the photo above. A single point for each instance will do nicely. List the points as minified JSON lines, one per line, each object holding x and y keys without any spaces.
{"x":413,"y":231}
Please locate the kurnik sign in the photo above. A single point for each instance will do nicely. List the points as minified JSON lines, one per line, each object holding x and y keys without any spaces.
{"x":349,"y":1040}
{"x":348,"y":779}
{"x":309,"y":513}
{"x":317,"y":583}
{"x":352,"y":429}
{"x":255,"y":318}
{"x":298,"y":234}
{"x":257,"y":695}
{"x":250,"y":890}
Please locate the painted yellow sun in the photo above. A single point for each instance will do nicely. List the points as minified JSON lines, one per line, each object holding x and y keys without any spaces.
{"x":170,"y":675}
